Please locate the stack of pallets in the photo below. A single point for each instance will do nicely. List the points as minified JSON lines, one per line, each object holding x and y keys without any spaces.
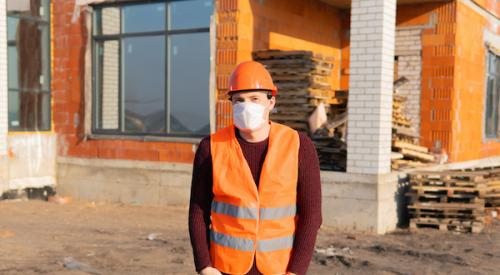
{"x":490,"y":190}
{"x":332,"y":152}
{"x":450,"y":200}
{"x":303,"y":81}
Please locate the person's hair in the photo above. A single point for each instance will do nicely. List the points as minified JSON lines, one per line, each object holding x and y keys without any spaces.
{"x":268,"y":93}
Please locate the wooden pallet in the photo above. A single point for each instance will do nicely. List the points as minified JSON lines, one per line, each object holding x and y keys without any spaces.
{"x":444,"y":189}
{"x":443,"y":198}
{"x":447,"y":176}
{"x":439,"y":214}
{"x":446,"y":225}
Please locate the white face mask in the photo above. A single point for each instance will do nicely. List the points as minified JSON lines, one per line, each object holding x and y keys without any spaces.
{"x":248,"y":115}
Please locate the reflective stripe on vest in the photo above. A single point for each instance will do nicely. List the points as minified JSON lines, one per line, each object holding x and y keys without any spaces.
{"x":232,"y":242}
{"x":234,"y":211}
{"x":268,"y":213}
{"x":248,"y":245}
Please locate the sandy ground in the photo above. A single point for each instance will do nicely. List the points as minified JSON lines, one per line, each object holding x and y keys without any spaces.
{"x":84,"y":238}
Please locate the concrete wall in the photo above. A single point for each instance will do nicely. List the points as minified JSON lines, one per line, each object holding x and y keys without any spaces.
{"x":125,"y":181}
{"x":361,"y":202}
{"x":350,"y":201}
{"x":32,"y":160}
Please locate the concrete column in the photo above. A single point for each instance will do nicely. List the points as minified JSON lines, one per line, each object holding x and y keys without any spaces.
{"x":370,"y":86}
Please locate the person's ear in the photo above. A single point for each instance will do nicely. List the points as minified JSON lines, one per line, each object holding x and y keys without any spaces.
{"x":272,"y":103}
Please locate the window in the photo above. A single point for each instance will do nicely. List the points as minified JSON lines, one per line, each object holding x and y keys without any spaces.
{"x":492,"y":97}
{"x":151,"y":68}
{"x":28,"y":65}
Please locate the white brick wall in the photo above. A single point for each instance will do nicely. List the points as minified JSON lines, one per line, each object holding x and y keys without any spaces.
{"x":3,"y":79}
{"x":110,"y":83}
{"x":370,"y":86}
{"x":408,"y":50}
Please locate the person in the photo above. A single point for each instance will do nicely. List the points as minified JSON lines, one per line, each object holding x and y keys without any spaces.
{"x":255,"y":204}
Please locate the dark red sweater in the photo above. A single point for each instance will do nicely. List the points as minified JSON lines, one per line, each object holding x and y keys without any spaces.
{"x":308,"y":200}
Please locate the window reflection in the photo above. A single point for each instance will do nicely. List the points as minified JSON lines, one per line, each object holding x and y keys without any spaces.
{"x":28,"y":65}
{"x":189,"y":82}
{"x":152,"y":72}
{"x":144,"y":83}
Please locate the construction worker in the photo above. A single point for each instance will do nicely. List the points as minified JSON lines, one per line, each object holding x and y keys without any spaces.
{"x":255,"y":203}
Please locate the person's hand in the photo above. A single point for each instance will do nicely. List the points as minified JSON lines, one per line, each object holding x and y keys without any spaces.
{"x":290,"y":273}
{"x":210,"y":271}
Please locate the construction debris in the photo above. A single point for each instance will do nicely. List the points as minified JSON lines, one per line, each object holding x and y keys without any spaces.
{"x":303,"y":81}
{"x":453,"y":200}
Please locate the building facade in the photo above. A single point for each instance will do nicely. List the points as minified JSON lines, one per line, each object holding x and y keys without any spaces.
{"x":108,"y":100}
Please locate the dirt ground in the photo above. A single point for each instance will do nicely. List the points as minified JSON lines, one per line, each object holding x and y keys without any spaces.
{"x":39,"y":237}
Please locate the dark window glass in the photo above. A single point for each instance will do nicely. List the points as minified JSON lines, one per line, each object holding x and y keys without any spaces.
{"x":28,"y":62}
{"x":189,"y":82}
{"x":150,"y":78}
{"x":144,"y":83}
{"x":492,"y":97}
{"x":189,"y":14}
{"x":144,"y":18}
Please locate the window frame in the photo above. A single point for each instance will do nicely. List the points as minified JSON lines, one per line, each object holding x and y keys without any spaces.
{"x":46,"y":22}
{"x":120,"y":133}
{"x":496,"y":83}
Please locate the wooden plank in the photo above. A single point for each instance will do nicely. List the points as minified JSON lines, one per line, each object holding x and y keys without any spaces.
{"x":268,"y":54}
{"x":419,"y":155}
{"x":442,"y":206}
{"x":406,"y":145}
{"x":396,"y":155}
{"x":404,"y":131}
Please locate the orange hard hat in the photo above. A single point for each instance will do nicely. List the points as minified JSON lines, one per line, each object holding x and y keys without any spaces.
{"x":251,"y":75}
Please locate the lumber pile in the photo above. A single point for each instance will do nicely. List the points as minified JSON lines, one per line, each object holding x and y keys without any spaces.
{"x":303,"y":81}
{"x":406,"y":151}
{"x":453,"y":200}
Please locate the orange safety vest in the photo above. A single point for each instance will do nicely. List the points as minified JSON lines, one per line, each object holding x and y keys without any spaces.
{"x":246,"y":221}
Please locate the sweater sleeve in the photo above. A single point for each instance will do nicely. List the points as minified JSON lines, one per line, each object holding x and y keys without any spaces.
{"x":308,"y":207}
{"x":199,"y":206}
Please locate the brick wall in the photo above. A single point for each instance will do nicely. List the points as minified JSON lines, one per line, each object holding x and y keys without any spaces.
{"x":408,"y":50}
{"x":470,"y":79}
{"x":370,"y":86}
{"x":438,"y":61}
{"x":492,"y":6}
{"x":436,"y":77}
{"x":226,"y":56}
{"x":248,"y":25}
{"x":69,"y":41}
